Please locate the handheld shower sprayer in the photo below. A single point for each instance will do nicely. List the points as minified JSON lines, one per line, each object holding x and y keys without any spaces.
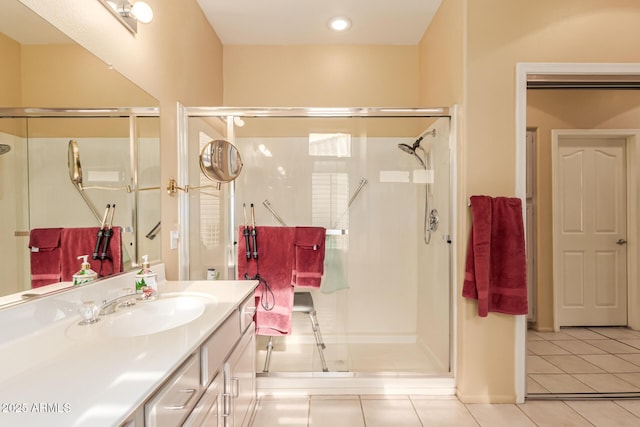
{"x":429,"y":224}
{"x":411,"y":149}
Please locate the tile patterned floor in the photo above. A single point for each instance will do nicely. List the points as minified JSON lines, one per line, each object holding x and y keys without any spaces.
{"x":574,"y":360}
{"x":583,"y":360}
{"x":409,"y":411}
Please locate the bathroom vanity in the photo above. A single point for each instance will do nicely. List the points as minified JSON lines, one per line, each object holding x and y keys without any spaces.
{"x":186,"y":358}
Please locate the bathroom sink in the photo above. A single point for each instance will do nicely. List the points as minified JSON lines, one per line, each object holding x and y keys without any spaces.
{"x":146,"y":318}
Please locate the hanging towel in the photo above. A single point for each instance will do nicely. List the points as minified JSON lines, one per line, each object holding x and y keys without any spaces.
{"x":335,"y":277}
{"x":496,"y":272}
{"x":274,"y":264}
{"x":44,"y":244}
{"x":309,"y":250}
{"x":75,"y":242}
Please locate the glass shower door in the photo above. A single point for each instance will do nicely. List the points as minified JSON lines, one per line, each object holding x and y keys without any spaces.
{"x":380,"y":185}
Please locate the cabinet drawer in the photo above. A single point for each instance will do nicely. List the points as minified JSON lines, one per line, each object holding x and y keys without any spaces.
{"x":217,"y":347}
{"x":207,"y":411}
{"x":177,"y":398}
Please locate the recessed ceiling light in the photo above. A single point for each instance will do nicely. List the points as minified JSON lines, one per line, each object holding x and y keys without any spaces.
{"x":339,"y":23}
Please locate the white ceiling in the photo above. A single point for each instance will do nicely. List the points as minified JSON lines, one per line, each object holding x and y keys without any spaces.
{"x":274,"y":22}
{"x":282,"y":22}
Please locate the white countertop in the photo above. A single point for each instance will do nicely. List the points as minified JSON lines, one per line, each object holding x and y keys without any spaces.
{"x":62,"y":374}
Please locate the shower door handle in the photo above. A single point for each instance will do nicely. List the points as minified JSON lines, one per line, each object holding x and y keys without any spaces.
{"x":621,"y":242}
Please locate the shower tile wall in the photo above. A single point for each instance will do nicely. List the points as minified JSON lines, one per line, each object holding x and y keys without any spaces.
{"x":386,"y":263}
{"x":381,"y":264}
{"x":52,"y":195}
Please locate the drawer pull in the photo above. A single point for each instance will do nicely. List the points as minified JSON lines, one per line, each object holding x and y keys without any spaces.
{"x":235,"y":386}
{"x":191,"y":392}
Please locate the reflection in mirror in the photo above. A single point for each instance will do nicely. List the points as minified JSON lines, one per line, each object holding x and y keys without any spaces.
{"x":220,"y":161}
{"x":46,"y":71}
{"x":52,"y":202}
{"x":75,"y":169}
{"x":75,"y":173}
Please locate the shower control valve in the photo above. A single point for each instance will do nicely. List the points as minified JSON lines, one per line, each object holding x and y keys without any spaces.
{"x":434,"y":219}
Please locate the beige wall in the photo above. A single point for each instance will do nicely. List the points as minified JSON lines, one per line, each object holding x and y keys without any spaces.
{"x":320,"y":76}
{"x":485,"y":347}
{"x":67,"y":75}
{"x":501,"y":33}
{"x":175,"y":58}
{"x":565,"y":109}
{"x":10,"y":80}
{"x":10,"y":72}
{"x":62,"y":75}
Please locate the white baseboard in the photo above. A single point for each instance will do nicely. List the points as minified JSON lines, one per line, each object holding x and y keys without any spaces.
{"x":330,"y":383}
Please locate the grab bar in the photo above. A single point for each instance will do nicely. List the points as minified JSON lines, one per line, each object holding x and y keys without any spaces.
{"x":363,"y":182}
{"x":361,"y":185}
{"x":274,"y":213}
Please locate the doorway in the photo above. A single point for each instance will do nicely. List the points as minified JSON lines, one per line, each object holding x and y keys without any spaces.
{"x":590,"y":229}
{"x":599,"y":73}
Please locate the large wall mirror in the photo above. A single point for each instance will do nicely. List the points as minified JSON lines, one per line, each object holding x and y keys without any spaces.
{"x":53,"y":91}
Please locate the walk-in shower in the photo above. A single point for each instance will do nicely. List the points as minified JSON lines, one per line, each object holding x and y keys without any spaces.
{"x":384,"y":302}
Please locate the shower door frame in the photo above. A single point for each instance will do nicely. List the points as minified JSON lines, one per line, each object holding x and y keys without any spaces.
{"x":331,"y":382}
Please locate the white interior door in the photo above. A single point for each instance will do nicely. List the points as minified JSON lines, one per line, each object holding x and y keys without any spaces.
{"x":590,"y":220}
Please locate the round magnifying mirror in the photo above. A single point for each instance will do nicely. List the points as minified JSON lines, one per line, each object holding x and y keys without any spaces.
{"x":75,"y":170}
{"x":220,"y":161}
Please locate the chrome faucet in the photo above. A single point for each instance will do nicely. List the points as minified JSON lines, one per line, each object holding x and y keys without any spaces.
{"x":109,"y":307}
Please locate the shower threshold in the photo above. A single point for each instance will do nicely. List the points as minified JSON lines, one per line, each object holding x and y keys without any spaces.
{"x":337,"y":383}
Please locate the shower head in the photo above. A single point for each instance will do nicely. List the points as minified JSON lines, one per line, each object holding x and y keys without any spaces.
{"x":412,"y":150}
{"x":407,"y":148}
{"x":4,"y":149}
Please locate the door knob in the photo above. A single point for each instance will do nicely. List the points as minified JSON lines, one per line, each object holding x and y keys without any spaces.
{"x":621,"y":242}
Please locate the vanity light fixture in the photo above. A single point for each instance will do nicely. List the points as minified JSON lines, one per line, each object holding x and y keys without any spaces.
{"x":339,"y":23}
{"x":128,"y":13}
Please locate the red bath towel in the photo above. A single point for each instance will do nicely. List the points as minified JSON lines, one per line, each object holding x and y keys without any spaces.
{"x":274,"y":264}
{"x":496,"y":270}
{"x":75,"y":242}
{"x":45,"y":256}
{"x":309,"y":244}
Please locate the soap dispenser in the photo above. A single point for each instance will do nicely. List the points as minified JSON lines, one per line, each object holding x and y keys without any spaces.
{"x":86,"y":274}
{"x":146,"y":280}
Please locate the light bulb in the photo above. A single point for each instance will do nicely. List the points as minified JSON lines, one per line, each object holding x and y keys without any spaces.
{"x":339,"y":23}
{"x":143,"y":12}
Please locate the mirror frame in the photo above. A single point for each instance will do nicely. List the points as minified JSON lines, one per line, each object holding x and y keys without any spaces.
{"x":220,"y":161}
